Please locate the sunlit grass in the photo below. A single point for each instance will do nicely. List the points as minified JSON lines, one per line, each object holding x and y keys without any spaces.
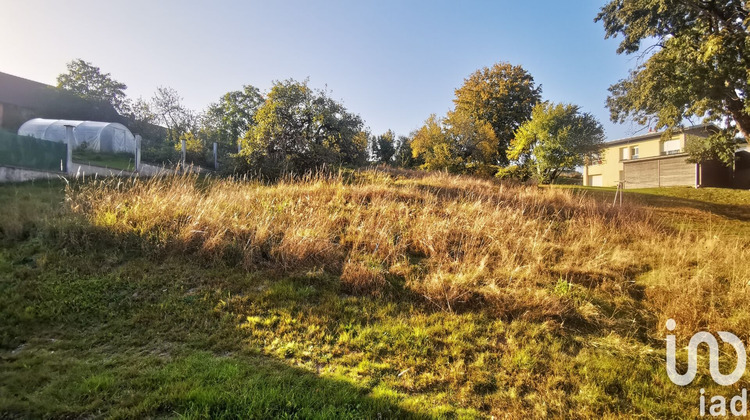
{"x":377,"y":293}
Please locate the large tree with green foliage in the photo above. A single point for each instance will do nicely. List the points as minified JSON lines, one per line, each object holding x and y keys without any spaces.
{"x":88,"y":82}
{"x":227,"y":120}
{"x":382,"y":147}
{"x":404,"y":158}
{"x":717,"y":147}
{"x":557,"y":137}
{"x":696,"y":63}
{"x":299,"y":129}
{"x":502,"y":95}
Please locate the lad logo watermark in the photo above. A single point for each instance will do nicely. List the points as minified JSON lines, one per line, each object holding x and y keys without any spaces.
{"x":718,"y":406}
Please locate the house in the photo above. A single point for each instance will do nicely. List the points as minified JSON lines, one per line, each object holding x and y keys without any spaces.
{"x":23,"y":99}
{"x":648,"y":160}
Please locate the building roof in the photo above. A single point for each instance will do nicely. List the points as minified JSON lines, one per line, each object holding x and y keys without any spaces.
{"x":22,"y":92}
{"x":50,"y":102}
{"x":656,"y":134}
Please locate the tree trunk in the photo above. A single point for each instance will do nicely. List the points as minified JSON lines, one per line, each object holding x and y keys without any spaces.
{"x":736,"y":108}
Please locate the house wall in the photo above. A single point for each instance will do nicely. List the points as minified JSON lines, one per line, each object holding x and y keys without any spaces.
{"x":612,"y":167}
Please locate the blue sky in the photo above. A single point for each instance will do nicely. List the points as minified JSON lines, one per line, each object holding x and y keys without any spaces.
{"x":392,"y":62}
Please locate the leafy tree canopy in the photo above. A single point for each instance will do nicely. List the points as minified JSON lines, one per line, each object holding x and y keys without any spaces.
{"x":383,"y":147}
{"x":698,"y":65}
{"x":433,"y":147}
{"x":719,"y":147}
{"x":404,"y":158}
{"x":502,"y":95}
{"x":231,"y":117}
{"x":300,"y":129}
{"x":168,"y":109}
{"x":558,"y":137}
{"x":458,"y":143}
{"x":87,"y":81}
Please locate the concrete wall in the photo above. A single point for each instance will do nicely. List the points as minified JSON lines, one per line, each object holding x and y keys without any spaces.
{"x":8,"y":174}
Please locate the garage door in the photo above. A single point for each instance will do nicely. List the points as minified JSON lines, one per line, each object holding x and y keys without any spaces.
{"x":677,"y":171}
{"x":595,"y":180}
{"x":665,"y":172}
{"x":641,"y":174}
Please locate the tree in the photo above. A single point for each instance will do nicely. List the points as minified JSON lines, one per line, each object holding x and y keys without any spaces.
{"x":88,"y":82}
{"x":558,"y":137}
{"x":403,"y":157}
{"x":169,"y":110}
{"x":300,"y":129}
{"x":143,"y":120}
{"x":458,"y":143}
{"x":718,"y":147}
{"x":382,"y":147}
{"x":433,"y":147}
{"x":697,"y":65}
{"x":474,"y":143}
{"x":227,"y":120}
{"x":502,"y":95}
{"x":195,"y":148}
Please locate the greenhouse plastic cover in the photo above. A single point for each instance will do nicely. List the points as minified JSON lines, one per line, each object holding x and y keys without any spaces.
{"x":97,"y":136}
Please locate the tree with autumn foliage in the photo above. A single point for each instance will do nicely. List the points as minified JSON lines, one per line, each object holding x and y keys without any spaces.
{"x":503,"y":96}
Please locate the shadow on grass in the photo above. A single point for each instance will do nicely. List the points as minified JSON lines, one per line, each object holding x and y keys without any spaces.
{"x":151,"y":329}
{"x":739,"y":212}
{"x":40,"y":382}
{"x":660,"y":198}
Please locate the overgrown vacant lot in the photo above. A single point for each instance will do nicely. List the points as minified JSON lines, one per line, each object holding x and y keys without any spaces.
{"x":362,"y":296}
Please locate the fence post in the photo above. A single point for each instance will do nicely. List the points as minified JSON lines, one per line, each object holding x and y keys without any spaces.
{"x":70,"y":140}
{"x":184,"y":152}
{"x":216,"y":158}
{"x":137,"y":152}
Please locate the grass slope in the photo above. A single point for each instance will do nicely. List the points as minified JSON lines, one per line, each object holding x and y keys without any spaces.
{"x":386,"y":295}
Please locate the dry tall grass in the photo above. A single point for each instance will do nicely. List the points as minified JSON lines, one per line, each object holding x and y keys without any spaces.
{"x":458,"y":242}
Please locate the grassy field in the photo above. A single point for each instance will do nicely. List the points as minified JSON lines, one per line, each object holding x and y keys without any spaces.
{"x":372,"y":295}
{"x":122,"y":161}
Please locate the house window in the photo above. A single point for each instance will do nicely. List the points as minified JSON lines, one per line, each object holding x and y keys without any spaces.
{"x":624,"y":153}
{"x":671,"y":147}
{"x":634,"y":152}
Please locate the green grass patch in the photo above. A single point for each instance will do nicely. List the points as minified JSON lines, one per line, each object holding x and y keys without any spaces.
{"x":121,"y":161}
{"x":102,"y":323}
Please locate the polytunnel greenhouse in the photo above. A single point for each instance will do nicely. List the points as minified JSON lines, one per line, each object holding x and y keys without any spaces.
{"x":94,"y":135}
